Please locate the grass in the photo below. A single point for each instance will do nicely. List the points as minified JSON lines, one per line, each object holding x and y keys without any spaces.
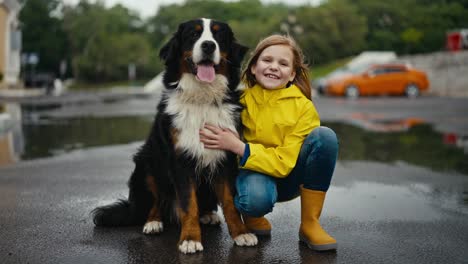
{"x":324,"y":69}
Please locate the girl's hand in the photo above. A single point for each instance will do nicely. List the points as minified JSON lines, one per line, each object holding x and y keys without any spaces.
{"x":214,"y":137}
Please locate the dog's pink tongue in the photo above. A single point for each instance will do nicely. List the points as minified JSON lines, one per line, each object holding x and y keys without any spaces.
{"x":206,"y":73}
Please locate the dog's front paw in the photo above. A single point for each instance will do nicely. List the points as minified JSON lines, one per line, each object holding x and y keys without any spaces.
{"x":247,"y":239}
{"x":153,"y":227}
{"x":190,"y":246}
{"x":210,"y":219}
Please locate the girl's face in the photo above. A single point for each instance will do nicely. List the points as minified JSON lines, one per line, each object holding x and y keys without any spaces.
{"x":274,"y":67}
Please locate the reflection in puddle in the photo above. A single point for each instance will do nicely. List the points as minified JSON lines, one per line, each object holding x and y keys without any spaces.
{"x":55,"y":136}
{"x":377,"y":123}
{"x":364,"y":201}
{"x":419,"y":145}
{"x":11,"y":138}
{"x":7,"y":155}
{"x":371,"y":190}
{"x":460,"y":141}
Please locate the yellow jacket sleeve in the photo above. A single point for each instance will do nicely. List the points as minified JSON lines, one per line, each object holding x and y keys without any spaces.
{"x":279,"y":161}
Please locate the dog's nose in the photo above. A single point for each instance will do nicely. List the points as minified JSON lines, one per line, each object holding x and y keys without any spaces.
{"x":208,"y":46}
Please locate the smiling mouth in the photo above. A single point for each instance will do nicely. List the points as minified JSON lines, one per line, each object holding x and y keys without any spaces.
{"x":271,"y":76}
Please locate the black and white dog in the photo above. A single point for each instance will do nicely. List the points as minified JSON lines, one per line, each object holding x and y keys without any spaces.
{"x":175,"y":178}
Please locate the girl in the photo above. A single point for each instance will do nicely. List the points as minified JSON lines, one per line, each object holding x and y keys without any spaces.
{"x":287,"y":153}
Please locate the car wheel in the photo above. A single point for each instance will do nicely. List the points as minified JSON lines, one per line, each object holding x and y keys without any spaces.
{"x":352,"y":91}
{"x":412,"y":90}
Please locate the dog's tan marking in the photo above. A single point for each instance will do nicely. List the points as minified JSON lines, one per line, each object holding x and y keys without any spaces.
{"x":190,"y":226}
{"x":154,"y":214}
{"x":232,"y":216}
{"x":187,"y":54}
{"x":184,"y":67}
{"x":175,"y":136}
{"x":198,"y":27}
{"x":215,"y":27}
{"x":222,"y":67}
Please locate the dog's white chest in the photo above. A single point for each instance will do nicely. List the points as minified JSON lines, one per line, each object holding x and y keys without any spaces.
{"x":189,"y":117}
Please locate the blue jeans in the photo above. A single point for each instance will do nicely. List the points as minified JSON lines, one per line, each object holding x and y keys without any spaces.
{"x":257,"y":193}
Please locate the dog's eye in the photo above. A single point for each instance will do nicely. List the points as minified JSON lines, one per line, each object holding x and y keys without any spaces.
{"x":195,"y":34}
{"x":220,"y":32}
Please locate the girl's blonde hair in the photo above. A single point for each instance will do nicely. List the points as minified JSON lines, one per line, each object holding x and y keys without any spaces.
{"x":302,"y":72}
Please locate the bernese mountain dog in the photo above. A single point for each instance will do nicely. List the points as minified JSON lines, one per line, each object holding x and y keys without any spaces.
{"x":175,"y":178}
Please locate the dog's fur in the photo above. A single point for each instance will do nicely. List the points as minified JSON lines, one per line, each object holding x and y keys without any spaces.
{"x":175,"y":178}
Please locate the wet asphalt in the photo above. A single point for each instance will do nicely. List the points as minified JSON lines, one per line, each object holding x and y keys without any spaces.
{"x":379,"y":211}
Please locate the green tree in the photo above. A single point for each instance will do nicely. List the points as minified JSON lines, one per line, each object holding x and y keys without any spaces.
{"x":257,"y":21}
{"x":250,"y":19}
{"x":116,"y":40}
{"x":385,"y":22}
{"x":332,"y":30}
{"x":43,"y":34}
{"x":411,"y":37}
{"x":101,"y":42}
{"x":412,"y":26}
{"x":434,"y":21}
{"x":107,"y":57}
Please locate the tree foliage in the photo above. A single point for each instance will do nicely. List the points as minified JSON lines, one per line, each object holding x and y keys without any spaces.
{"x":43,"y":34}
{"x":332,"y":30}
{"x":101,"y":42}
{"x":114,"y":41}
{"x":412,"y":26}
{"x":250,"y":19}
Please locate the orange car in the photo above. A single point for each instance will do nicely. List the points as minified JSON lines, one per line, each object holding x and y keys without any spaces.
{"x":391,"y":79}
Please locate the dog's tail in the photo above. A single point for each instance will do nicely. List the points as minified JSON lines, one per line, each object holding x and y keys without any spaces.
{"x":120,"y":213}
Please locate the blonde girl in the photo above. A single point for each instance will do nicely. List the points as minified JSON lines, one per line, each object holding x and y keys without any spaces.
{"x":285,"y":152}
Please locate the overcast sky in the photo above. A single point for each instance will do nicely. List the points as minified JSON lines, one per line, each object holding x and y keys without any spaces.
{"x":148,"y":7}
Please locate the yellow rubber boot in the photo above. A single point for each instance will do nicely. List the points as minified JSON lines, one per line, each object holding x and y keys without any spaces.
{"x":310,"y":231}
{"x":257,"y":225}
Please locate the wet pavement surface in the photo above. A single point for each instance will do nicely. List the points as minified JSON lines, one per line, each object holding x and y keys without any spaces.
{"x":399,"y":192}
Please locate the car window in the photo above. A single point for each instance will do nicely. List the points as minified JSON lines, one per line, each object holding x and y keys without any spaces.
{"x":357,"y":69}
{"x":385,"y":70}
{"x":394,"y":70}
{"x":377,"y":71}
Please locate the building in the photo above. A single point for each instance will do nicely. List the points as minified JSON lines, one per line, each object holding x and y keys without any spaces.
{"x":10,"y":49}
{"x":10,"y":43}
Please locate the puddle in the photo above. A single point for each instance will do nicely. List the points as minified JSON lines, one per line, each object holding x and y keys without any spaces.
{"x":418,"y":144}
{"x":49,"y":137}
{"x":370,"y":191}
{"x":364,"y":201}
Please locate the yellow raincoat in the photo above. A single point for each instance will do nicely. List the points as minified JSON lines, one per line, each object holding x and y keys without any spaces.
{"x":276,"y":122}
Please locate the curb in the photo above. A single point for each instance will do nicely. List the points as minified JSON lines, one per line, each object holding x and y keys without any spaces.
{"x":21,"y":93}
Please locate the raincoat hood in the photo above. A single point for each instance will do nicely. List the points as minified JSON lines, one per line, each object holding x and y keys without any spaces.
{"x":264,"y":96}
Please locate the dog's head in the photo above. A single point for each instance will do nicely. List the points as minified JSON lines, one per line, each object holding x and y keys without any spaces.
{"x":204,"y":48}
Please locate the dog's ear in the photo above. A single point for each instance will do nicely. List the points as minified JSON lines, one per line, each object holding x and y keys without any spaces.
{"x":168,"y":48}
{"x":238,"y":52}
{"x":171,"y":49}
